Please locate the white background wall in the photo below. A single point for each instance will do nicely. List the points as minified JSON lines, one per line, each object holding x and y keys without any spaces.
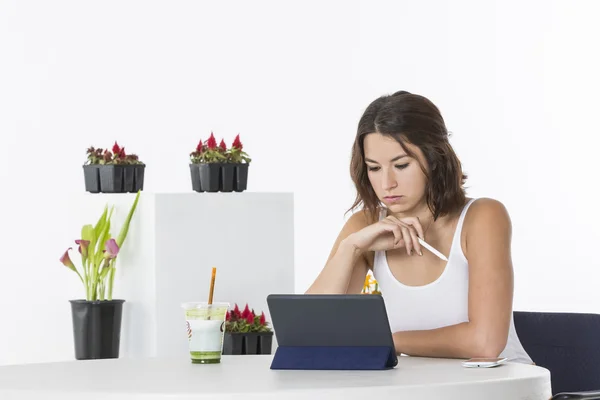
{"x":517,"y":82}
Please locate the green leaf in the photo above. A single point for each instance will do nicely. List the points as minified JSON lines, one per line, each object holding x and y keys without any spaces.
{"x":125,"y":228}
{"x":88,"y":233}
{"x":97,"y":231}
{"x":101,"y":221}
{"x":104,"y":236}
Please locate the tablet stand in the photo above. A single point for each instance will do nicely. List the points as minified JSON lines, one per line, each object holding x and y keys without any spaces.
{"x":334,"y":357}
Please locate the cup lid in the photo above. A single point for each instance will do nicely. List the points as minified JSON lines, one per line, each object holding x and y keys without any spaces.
{"x":203,"y":304}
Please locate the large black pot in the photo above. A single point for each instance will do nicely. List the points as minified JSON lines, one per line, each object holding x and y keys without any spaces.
{"x":97,"y":328}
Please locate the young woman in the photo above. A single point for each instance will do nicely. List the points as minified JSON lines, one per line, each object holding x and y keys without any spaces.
{"x":410,"y":184}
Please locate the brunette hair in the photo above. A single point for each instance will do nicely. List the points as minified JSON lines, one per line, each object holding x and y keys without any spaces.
{"x":414,"y":119}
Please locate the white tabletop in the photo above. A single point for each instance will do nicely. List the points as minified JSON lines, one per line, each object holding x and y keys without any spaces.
{"x":249,"y":377}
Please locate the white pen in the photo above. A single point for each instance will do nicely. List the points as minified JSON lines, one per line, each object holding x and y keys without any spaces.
{"x":431,"y":249}
{"x":428,"y":246}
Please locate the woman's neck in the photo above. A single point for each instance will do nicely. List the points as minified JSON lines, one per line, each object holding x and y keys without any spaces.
{"x":425,"y":216}
{"x":420,"y":211}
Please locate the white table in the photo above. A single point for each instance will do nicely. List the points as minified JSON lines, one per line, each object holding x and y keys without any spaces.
{"x":249,"y":377}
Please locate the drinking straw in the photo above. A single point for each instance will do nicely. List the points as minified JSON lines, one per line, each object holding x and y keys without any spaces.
{"x":212,"y":285}
{"x":212,"y":290}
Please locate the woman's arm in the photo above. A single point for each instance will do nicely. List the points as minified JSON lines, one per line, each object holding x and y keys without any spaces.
{"x":488,"y":240}
{"x":346,"y":266}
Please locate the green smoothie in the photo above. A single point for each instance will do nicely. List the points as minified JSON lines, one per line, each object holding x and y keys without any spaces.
{"x":205,"y":325}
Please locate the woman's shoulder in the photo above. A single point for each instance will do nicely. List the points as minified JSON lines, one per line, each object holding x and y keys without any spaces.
{"x":487,"y":231}
{"x":486,"y":213}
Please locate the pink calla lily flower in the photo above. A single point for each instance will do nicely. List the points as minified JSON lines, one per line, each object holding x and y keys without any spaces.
{"x":83,"y":247}
{"x":66,"y":260}
{"x":112,"y":248}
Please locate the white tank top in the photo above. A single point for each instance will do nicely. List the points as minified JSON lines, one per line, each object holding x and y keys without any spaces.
{"x":440,"y":303}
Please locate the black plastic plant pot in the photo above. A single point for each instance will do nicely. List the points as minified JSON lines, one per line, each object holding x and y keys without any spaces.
{"x":250,"y":343}
{"x":232,"y":343}
{"x":241,"y":177}
{"x":112,"y":178}
{"x":91,"y":176}
{"x":96,"y":328}
{"x":195,"y":175}
{"x":133,"y":178}
{"x":138,"y":178}
{"x":227,"y":177}
{"x":128,"y":178}
{"x":210,"y":176}
{"x":265,"y":342}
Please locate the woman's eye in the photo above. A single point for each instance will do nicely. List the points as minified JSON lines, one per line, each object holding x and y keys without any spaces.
{"x":402,"y":166}
{"x":373,"y":168}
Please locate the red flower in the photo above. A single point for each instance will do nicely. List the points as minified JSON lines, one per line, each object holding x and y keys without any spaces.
{"x":250,"y":318}
{"x":262,"y":319}
{"x":236,"y":312}
{"x":236,"y":143}
{"x":116,"y":149}
{"x":227,"y":316}
{"x":222,"y":145}
{"x":199,"y":147}
{"x":122,"y":153}
{"x":246,"y":311}
{"x":211,"y":143}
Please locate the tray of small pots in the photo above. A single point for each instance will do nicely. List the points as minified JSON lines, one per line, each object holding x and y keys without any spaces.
{"x":246,"y":333}
{"x":216,"y":168}
{"x":113,"y":171}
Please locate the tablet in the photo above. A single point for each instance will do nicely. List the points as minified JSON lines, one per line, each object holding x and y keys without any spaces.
{"x":331,"y":320}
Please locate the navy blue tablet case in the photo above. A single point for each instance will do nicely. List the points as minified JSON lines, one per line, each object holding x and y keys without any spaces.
{"x":331,"y":332}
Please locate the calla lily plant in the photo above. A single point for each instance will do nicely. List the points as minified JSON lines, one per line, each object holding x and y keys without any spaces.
{"x":99,"y":252}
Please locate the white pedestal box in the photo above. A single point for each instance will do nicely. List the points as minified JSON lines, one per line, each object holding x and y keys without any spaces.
{"x":174,"y":241}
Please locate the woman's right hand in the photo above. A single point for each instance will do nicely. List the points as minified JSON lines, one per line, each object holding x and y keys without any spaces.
{"x":388,"y":234}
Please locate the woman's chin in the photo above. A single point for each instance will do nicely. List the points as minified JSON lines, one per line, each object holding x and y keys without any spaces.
{"x":395,"y":207}
{"x":399,"y":206}
{"x":407,"y":207}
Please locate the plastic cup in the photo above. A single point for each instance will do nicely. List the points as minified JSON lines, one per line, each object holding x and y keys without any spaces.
{"x":205,"y":330}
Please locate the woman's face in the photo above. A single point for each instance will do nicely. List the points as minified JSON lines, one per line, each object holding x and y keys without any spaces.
{"x":396,"y":178}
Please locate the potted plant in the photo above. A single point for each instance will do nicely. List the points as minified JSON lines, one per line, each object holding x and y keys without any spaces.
{"x":246,"y":333}
{"x":241,"y":160}
{"x":97,"y":319}
{"x":107,"y":171}
{"x":207,"y":160}
{"x":219,"y":169}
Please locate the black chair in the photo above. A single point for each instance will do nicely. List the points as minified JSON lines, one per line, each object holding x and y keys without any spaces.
{"x":568,"y":345}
